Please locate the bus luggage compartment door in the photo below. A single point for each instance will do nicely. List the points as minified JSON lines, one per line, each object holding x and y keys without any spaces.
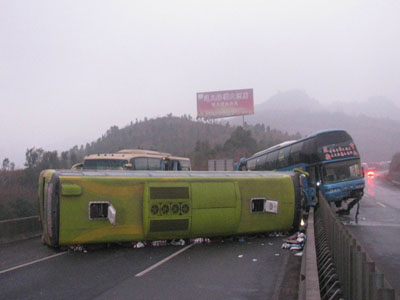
{"x":215,"y":209}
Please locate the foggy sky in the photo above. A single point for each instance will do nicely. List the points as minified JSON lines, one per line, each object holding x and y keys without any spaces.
{"x":71,"y":69}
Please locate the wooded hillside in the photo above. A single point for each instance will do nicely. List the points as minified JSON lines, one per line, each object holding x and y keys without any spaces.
{"x":180,"y":136}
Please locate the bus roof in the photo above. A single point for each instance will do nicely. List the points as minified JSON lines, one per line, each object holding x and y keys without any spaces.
{"x":320,"y":132}
{"x":286,"y":143}
{"x":141,"y":151}
{"x":128,"y":154}
{"x":275,"y":147}
{"x":121,"y":156}
{"x":164,"y":174}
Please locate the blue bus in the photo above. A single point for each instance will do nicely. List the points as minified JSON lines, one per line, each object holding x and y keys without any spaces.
{"x":331,"y":159}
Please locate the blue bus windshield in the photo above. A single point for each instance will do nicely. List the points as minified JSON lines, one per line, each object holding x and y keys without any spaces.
{"x":341,"y":171}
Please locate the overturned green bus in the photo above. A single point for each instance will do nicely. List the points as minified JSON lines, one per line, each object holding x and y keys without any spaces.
{"x":83,"y":207}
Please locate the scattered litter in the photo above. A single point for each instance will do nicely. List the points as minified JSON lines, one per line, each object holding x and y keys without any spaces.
{"x":270,"y":243}
{"x":178,"y":242}
{"x":139,"y":245}
{"x":276,"y":254}
{"x":300,"y":240}
{"x":159,"y":243}
{"x":254,"y":259}
{"x":295,"y":243}
{"x":78,"y":248}
{"x":201,"y":241}
{"x":299,"y":253}
{"x":197,"y":241}
{"x":363,"y":218}
{"x":240,"y":255}
{"x":262,"y":244}
{"x":296,"y":247}
{"x":242,"y":240}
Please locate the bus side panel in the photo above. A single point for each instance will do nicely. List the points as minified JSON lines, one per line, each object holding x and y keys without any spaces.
{"x":216,"y":208}
{"x":280,"y":190}
{"x":124,"y":194}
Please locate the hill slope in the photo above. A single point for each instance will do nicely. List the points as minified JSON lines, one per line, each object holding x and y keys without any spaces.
{"x":377,"y":138}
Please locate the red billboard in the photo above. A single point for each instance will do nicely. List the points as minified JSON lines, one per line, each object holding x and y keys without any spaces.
{"x":211,"y":105}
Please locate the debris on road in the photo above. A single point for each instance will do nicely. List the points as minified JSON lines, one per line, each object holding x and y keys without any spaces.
{"x":139,"y":245}
{"x":180,"y":242}
{"x":159,"y":243}
{"x":78,"y":248}
{"x":295,"y":243}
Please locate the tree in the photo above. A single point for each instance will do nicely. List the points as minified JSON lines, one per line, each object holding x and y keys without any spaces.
{"x":240,"y":139}
{"x":6,"y":164}
{"x":33,"y":157}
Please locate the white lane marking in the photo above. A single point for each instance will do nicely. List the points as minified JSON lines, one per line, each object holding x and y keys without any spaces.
{"x":381,"y":204}
{"x":32,"y":262}
{"x":163,"y":261}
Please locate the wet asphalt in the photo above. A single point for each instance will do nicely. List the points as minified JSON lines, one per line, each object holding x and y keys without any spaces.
{"x":254,"y":269}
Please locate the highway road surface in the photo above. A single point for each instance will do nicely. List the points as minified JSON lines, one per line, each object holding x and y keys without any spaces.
{"x":255,"y":269}
{"x":378,"y":228}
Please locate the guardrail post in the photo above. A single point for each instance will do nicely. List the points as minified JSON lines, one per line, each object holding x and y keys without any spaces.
{"x":352,"y":271}
{"x":359,"y":277}
{"x":385,"y":294}
{"x":368,"y":269}
{"x":376,"y":282}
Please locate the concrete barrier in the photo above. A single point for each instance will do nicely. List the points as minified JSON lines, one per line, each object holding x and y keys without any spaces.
{"x":19,"y":229}
{"x":309,"y":283}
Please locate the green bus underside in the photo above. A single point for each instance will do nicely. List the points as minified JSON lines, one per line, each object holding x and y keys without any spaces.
{"x":156,"y":205}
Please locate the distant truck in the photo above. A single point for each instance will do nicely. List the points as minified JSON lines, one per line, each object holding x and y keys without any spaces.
{"x":134,"y":159}
{"x":394,"y":169}
{"x":220,"y":165}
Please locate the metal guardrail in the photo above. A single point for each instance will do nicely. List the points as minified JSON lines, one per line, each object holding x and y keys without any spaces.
{"x":356,"y":273}
{"x":18,"y":229}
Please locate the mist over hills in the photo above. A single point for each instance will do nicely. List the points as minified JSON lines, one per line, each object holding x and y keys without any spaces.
{"x":374,"y":124}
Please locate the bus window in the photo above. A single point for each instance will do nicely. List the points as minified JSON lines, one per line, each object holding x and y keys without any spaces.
{"x":283,"y":157}
{"x":251,"y":164}
{"x":154,"y":163}
{"x":104,"y":164}
{"x":271,"y":161}
{"x":333,"y":138}
{"x":296,"y":156}
{"x":342,"y":171}
{"x":260,"y":162}
{"x":310,"y":151}
{"x":140,"y":163}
